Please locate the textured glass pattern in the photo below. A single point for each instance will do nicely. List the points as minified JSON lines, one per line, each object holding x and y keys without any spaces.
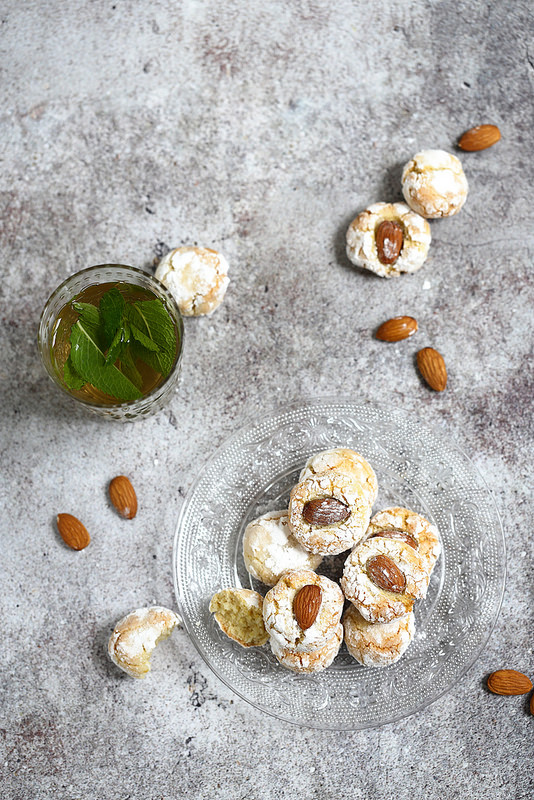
{"x":254,"y":471}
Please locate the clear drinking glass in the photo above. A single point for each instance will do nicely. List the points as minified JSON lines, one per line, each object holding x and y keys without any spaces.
{"x":71,"y":288}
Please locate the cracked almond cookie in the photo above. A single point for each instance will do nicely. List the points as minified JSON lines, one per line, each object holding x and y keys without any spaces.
{"x":197,"y":277}
{"x":136,"y":635}
{"x":382,"y":578}
{"x":329,"y":512}
{"x":434,"y":184}
{"x":388,"y":239}
{"x":269,"y":549}
{"x":315,"y":661}
{"x":377,"y":644}
{"x":415,"y":530}
{"x":344,"y":460}
{"x":281,"y":612}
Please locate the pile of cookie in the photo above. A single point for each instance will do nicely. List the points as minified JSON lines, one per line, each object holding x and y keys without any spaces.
{"x":391,"y":558}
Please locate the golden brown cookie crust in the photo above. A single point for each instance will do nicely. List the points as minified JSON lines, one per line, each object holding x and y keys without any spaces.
{"x":374,"y":603}
{"x":281,"y":622}
{"x":403,"y":519}
{"x":347,"y":461}
{"x":329,"y":539}
{"x":377,"y":644}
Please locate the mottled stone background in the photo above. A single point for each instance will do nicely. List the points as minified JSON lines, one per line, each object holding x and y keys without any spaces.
{"x":259,"y":128}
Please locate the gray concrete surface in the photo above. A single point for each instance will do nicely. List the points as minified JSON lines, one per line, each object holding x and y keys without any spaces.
{"x":259,"y":128}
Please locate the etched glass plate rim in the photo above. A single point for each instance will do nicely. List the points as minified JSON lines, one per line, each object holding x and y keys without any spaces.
{"x":304,"y":700}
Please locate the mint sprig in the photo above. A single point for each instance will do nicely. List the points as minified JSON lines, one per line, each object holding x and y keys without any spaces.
{"x":108,"y":342}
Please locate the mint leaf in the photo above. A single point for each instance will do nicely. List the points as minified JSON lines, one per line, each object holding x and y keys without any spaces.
{"x":89,"y":314}
{"x":115,"y":347}
{"x":71,"y":379}
{"x":89,"y":362}
{"x":144,"y":340}
{"x":111,"y":311}
{"x":151,"y":318}
{"x":129,"y":369}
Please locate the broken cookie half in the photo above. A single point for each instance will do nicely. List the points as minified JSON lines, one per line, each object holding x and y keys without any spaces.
{"x":136,"y":635}
{"x":239,"y":614}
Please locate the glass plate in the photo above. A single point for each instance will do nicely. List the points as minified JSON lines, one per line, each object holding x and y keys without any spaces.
{"x":253,"y":472}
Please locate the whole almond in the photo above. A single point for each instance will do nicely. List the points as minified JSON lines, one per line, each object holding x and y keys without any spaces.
{"x":389,"y":239}
{"x":509,"y":681}
{"x":73,"y":533}
{"x":432,"y":368}
{"x":532,"y":703}
{"x":479,"y":138}
{"x":383,"y":571}
{"x":392,"y":533}
{"x":325,"y":511}
{"x":306,"y":605}
{"x":396,"y":329}
{"x":122,"y":495}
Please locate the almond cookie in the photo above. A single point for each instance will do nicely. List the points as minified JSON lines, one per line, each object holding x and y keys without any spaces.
{"x":136,"y":635}
{"x":281,"y":621}
{"x":414,"y":240}
{"x":269,"y":549}
{"x":329,"y":512}
{"x":434,"y":184}
{"x":196,"y":277}
{"x":342,"y":459}
{"x":238,"y":612}
{"x":412,"y":528}
{"x":315,"y":661}
{"x":382,"y":577}
{"x":377,"y":644}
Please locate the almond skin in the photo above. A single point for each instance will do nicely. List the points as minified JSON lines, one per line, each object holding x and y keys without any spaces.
{"x":306,"y":605}
{"x":508,"y":682}
{"x":389,"y":239}
{"x":122,"y":495}
{"x":479,"y":138}
{"x":432,"y":367}
{"x":325,"y":511}
{"x":396,"y":329}
{"x":385,"y":574}
{"x":73,"y":533}
{"x":392,"y":533}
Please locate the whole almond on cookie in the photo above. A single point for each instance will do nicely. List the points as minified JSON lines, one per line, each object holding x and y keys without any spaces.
{"x":325,"y":511}
{"x":396,"y":329}
{"x":509,"y":682}
{"x":392,"y":533}
{"x":389,"y":238}
{"x":432,"y":367}
{"x":122,"y":495}
{"x":479,"y":138}
{"x":306,"y":605}
{"x":72,"y":531}
{"x":383,"y":571}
